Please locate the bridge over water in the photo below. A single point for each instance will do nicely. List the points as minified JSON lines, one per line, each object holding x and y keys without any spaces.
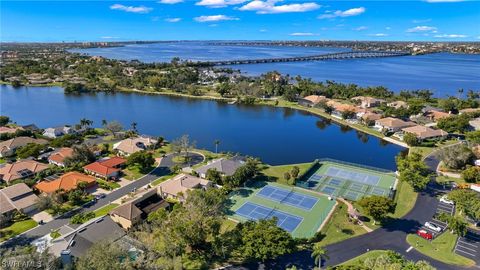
{"x":329,"y":56}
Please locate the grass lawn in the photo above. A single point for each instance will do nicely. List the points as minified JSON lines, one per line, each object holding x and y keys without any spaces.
{"x":424,"y":151}
{"x":163,"y":178}
{"x":440,"y":249}
{"x":363,"y":257}
{"x":104,"y":210}
{"x":133,"y":172}
{"x":445,"y":179}
{"x":405,"y":199}
{"x":227,"y":225}
{"x":276,"y":172}
{"x":16,"y":229}
{"x":107,"y":184}
{"x":339,"y":228}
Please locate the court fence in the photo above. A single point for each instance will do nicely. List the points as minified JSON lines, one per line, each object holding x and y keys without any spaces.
{"x":354,"y":165}
{"x":312,"y":169}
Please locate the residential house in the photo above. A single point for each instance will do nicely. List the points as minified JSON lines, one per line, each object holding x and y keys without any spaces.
{"x":107,"y":169}
{"x":131,"y":213}
{"x":340,"y":108}
{"x":131,"y":145}
{"x":469,"y":110}
{"x":17,"y":197}
{"x":66,"y":182}
{"x":225,"y":166}
{"x":55,"y":132}
{"x":31,"y":127}
{"x":59,"y":156}
{"x":425,"y":133}
{"x":7,"y":148}
{"x":21,"y":169}
{"x":368,"y":102}
{"x":475,"y":123}
{"x":177,"y":187}
{"x":435,"y":115}
{"x":398,"y":104}
{"x":391,"y":124}
{"x":311,"y":101}
{"x":6,"y":130}
{"x":369,"y":118}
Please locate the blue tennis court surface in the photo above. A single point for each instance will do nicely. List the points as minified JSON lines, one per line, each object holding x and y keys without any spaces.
{"x":288,"y":197}
{"x":354,"y":176}
{"x":254,"y":211}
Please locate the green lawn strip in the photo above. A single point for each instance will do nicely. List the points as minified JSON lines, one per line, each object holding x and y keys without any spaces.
{"x":312,"y":219}
{"x":105,"y":210}
{"x":369,"y":255}
{"x":405,"y":199}
{"x":163,"y":178}
{"x":339,"y":228}
{"x":441,"y":249}
{"x":227,"y":225}
{"x":445,"y":179}
{"x":277,"y":172}
{"x":104,"y":184}
{"x":17,"y":228}
{"x":134,"y":172}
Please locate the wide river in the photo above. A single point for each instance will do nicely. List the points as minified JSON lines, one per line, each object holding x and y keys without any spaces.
{"x":276,"y":135}
{"x":442,"y":73}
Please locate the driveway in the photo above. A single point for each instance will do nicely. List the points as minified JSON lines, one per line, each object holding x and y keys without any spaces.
{"x":195,"y":158}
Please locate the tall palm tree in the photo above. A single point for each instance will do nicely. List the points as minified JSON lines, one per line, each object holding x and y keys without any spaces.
{"x":134,"y":126}
{"x":104,"y":122}
{"x":216,"y":142}
{"x":319,"y":254}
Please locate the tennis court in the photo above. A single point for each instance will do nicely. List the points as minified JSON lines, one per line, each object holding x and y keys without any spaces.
{"x":299,"y":211}
{"x":350,"y":181}
{"x":289,"y":197}
{"x":255,"y":212}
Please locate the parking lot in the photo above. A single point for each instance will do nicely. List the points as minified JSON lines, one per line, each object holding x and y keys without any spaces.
{"x":468,"y":246}
{"x":441,"y":208}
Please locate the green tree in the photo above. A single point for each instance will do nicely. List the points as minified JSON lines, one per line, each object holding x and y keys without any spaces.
{"x":410,"y":139}
{"x":319,"y":254}
{"x":456,"y":157}
{"x":473,"y":136}
{"x":471,"y":174}
{"x":143,"y":159}
{"x":295,"y":171}
{"x":286,"y":176}
{"x":103,"y":255}
{"x":262,"y":240}
{"x":378,"y":207}
{"x":4,"y":120}
{"x":114,"y":127}
{"x":413,"y":170}
{"x":29,"y":150}
{"x":214,"y":176}
{"x":81,"y":155}
{"x":216,"y":142}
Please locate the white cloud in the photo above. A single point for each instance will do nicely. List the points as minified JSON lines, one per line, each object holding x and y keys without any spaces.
{"x":170,"y":2}
{"x":302,"y":34}
{"x":421,"y":21}
{"x":451,"y":36}
{"x":269,"y":7}
{"x":215,"y":18}
{"x":173,"y":20}
{"x":378,"y":35}
{"x":360,"y":28}
{"x":345,"y":13}
{"x":443,"y":1}
{"x":263,"y":30}
{"x":422,"y":28}
{"x":219,"y":3}
{"x":139,"y":9}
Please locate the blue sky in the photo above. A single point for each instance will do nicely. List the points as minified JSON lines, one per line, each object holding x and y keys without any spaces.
{"x":438,"y":20}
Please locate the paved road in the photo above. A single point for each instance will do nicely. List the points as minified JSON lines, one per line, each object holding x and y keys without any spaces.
{"x":162,"y":169}
{"x":432,"y":160}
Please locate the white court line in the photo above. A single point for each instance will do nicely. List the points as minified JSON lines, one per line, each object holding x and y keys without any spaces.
{"x":459,"y":250}
{"x":439,"y":221}
{"x":410,"y":248}
{"x":463,"y":247}
{"x":466,"y":243}
{"x":444,"y":206}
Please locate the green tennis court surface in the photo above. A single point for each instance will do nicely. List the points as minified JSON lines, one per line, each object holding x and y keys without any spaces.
{"x":300,"y":212}
{"x":349,"y":181}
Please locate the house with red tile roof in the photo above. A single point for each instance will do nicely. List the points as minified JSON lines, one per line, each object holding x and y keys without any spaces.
{"x":311,"y":101}
{"x":66,"y":182}
{"x":107,"y":169}
{"x":424,"y":133}
{"x":392,"y":124}
{"x":21,"y":169}
{"x":58,"y":157}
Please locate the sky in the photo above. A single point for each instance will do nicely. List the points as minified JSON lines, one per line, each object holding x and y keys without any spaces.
{"x":104,"y":20}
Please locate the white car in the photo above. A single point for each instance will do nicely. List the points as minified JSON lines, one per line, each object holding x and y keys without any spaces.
{"x":444,"y":199}
{"x":433,"y":227}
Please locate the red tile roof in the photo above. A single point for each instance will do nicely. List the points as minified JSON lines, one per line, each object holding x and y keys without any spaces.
{"x":60,"y":156}
{"x":99,"y":168}
{"x":113,"y":162}
{"x":66,"y":182}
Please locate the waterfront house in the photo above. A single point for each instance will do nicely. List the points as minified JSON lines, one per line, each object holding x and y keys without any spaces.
{"x":178,"y":186}
{"x":7,"y":148}
{"x":18,"y":197}
{"x":225,"y":166}
{"x":311,"y":101}
{"x":391,"y":124}
{"x":66,"y":182}
{"x":107,"y":169}
{"x":55,"y":132}
{"x":369,"y":118}
{"x":59,"y":156}
{"x":131,"y":145}
{"x":368,"y":102}
{"x":21,"y":169}
{"x":425,"y":133}
{"x":133,"y":212}
{"x":340,"y":108}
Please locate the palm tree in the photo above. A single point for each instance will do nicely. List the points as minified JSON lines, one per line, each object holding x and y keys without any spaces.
{"x":216,"y":142}
{"x":319,"y":254}
{"x":104,"y":122}
{"x":134,"y":126}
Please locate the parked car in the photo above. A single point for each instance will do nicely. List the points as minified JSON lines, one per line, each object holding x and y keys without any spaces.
{"x":100,"y":196}
{"x":444,"y":199}
{"x":433,"y":227}
{"x":424,"y":234}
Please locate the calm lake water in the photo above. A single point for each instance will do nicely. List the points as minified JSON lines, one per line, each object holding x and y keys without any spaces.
{"x":443,"y":73}
{"x":277,"y":136}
